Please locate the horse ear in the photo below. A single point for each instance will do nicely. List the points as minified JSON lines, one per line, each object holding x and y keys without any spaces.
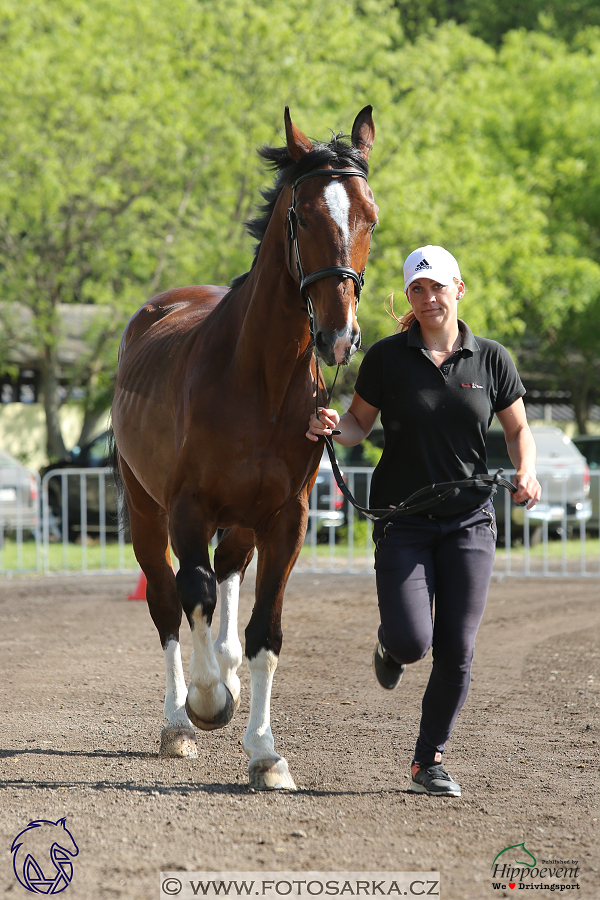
{"x":297,"y":143}
{"x":363,"y":132}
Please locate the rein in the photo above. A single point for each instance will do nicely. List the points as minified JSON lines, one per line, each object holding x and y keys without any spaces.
{"x":409,"y":507}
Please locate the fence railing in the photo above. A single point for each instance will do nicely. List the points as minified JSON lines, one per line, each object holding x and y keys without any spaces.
{"x":70,"y":522}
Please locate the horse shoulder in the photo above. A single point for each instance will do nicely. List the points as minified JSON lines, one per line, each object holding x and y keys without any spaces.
{"x":185,"y":307}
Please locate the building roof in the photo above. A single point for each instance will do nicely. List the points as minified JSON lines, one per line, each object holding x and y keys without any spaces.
{"x":77,"y":319}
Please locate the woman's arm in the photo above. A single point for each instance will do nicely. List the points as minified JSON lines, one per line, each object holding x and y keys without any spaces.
{"x":522,"y":451}
{"x":354,"y":425}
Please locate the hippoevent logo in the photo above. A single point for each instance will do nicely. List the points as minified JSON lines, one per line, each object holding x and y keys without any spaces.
{"x":42,"y":855}
{"x":517,"y":868}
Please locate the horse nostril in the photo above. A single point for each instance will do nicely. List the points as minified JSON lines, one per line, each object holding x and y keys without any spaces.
{"x":322,"y":344}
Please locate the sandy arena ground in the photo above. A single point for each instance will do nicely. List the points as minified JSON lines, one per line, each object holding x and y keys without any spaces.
{"x":82,"y":693}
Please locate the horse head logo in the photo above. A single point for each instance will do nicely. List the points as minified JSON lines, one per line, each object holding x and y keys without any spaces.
{"x":517,"y":848}
{"x":42,"y":855}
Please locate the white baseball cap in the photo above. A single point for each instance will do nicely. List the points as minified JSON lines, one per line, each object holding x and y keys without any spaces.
{"x":430,"y":262}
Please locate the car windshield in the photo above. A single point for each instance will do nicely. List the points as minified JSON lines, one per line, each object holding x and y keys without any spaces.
{"x":591,"y":451}
{"x":98,"y":451}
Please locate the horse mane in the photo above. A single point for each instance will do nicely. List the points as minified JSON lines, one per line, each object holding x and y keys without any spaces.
{"x":338,"y":154}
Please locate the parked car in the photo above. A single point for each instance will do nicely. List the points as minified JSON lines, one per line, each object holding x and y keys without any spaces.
{"x":589,"y":446}
{"x":93,"y":455}
{"x":563,"y":473}
{"x":18,"y":496}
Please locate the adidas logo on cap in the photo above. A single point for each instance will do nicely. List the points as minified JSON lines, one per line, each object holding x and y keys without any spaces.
{"x":431,"y":262}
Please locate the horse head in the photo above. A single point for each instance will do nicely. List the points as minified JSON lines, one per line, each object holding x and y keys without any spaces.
{"x":331,"y":216}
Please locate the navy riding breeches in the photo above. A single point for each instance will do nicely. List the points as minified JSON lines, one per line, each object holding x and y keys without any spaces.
{"x":433,"y":576}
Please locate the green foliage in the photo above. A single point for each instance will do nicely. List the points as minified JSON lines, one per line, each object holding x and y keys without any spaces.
{"x":491,"y":20}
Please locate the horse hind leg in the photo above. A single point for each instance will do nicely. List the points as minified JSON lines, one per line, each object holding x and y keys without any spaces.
{"x":232,"y":556}
{"x":149,"y":534}
{"x":210,"y":703}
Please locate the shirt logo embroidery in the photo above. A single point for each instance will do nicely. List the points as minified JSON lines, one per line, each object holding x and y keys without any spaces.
{"x":422,"y":265}
{"x":473,"y":385}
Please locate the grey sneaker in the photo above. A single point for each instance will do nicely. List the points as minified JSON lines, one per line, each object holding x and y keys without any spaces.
{"x":387,"y":671}
{"x":433,"y":780}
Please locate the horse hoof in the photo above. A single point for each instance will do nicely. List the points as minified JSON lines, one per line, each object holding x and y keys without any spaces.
{"x":271,"y":776}
{"x":222,"y":718}
{"x":179,"y":742}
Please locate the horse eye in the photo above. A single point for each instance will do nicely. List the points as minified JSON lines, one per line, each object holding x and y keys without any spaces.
{"x":302,"y":223}
{"x":373,"y":227}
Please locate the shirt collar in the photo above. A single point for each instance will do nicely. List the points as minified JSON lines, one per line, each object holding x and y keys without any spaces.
{"x":469,"y":342}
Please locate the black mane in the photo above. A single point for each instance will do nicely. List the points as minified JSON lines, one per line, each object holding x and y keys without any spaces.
{"x":338,"y":154}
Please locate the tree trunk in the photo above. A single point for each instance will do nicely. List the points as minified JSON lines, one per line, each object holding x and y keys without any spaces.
{"x":93,"y":419}
{"x":581,"y":407}
{"x":55,"y":445}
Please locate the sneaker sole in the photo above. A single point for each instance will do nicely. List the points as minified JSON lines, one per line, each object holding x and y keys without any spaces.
{"x":420,"y":789}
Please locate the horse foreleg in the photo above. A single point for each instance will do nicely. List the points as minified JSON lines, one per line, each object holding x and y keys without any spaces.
{"x":149,"y":535}
{"x":232,"y":557}
{"x":266,"y":768}
{"x":209,"y":702}
{"x":278,"y":550}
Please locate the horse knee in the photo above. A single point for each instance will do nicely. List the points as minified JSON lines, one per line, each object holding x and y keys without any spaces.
{"x":196,"y":586}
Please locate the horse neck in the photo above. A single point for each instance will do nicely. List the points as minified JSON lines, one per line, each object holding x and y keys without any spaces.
{"x":274,"y":336}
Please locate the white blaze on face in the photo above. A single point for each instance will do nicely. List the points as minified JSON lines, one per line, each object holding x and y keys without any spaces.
{"x":338,"y":204}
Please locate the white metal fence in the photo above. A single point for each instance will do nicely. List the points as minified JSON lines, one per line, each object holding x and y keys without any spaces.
{"x":70,"y":522}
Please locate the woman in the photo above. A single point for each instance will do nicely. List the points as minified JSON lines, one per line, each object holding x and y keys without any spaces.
{"x":437,"y":388}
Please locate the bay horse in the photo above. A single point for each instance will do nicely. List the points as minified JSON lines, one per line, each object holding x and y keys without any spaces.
{"x":214,"y":389}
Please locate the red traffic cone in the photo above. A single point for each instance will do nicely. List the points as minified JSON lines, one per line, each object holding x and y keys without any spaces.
{"x":140,"y":589}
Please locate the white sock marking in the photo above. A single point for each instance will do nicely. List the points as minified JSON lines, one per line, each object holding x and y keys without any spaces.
{"x":258,"y":741}
{"x":206,"y":693}
{"x":176,"y":691}
{"x":227,"y":646}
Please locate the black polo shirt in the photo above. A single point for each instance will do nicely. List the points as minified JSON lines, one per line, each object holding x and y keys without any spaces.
{"x":435,"y":420}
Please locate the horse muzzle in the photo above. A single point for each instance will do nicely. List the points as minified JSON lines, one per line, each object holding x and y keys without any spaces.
{"x":336,"y":347}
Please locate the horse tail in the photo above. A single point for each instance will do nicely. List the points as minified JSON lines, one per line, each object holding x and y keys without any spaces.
{"x":113,"y":461}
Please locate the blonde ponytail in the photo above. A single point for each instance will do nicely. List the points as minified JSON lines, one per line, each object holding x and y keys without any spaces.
{"x":405,"y":321}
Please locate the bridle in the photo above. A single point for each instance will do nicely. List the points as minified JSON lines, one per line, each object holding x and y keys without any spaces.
{"x":306,"y":280}
{"x":341,"y":271}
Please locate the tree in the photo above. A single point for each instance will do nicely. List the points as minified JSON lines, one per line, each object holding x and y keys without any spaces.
{"x":546,"y":130}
